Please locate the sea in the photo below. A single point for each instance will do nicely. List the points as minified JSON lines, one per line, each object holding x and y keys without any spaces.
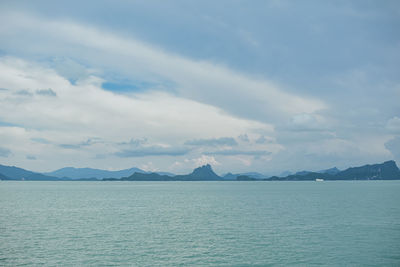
{"x":253,"y":223}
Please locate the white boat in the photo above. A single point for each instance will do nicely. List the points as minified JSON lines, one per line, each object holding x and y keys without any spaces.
{"x":319,"y":180}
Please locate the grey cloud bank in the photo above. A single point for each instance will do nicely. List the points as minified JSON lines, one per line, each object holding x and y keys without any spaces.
{"x":4,"y":152}
{"x":152,"y":151}
{"x":46,"y":92}
{"x":222,"y":141}
{"x":230,"y":152}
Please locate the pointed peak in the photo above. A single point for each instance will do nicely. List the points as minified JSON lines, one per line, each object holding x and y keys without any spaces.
{"x":390,"y":162}
{"x":204,"y":167}
{"x":204,"y":171}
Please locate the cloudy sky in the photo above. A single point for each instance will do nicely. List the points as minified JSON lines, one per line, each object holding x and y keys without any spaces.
{"x":264,"y":86}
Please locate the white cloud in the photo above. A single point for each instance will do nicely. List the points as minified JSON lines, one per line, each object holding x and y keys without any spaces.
{"x":4,"y":152}
{"x":149,"y":167}
{"x":393,"y":125}
{"x":198,"y":80}
{"x":84,"y":120}
{"x":393,"y":145}
{"x":85,"y":107}
{"x":203,"y":160}
{"x":307,"y":122}
{"x":246,"y":161}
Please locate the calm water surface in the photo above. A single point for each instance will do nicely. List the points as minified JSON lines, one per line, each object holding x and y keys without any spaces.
{"x":200,"y":223}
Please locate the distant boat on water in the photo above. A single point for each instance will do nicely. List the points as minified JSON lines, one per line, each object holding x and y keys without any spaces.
{"x":319,"y":180}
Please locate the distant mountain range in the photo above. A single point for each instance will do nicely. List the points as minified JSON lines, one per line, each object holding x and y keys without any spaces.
{"x":67,"y":174}
{"x":385,"y":171}
{"x":259,"y":176}
{"x":255,"y":175}
{"x":204,"y":173}
{"x":81,"y":173}
{"x":331,"y":171}
{"x":15,"y":173}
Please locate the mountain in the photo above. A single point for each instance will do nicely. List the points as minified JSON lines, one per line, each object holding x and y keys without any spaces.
{"x":139,"y":176}
{"x":164,"y":173}
{"x":302,"y":173}
{"x":254,"y":175}
{"x":85,"y":173}
{"x":3,"y":177}
{"x":332,"y":171}
{"x":229,"y":176}
{"x":246,"y":178}
{"x":309,"y":176}
{"x":384,"y":171}
{"x":15,"y":173}
{"x":203,"y":173}
{"x":285,"y":173}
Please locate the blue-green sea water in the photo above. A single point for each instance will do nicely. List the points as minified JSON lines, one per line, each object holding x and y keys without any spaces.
{"x":200,"y":223}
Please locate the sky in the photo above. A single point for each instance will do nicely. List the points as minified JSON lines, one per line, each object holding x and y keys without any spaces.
{"x":246,"y":86}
